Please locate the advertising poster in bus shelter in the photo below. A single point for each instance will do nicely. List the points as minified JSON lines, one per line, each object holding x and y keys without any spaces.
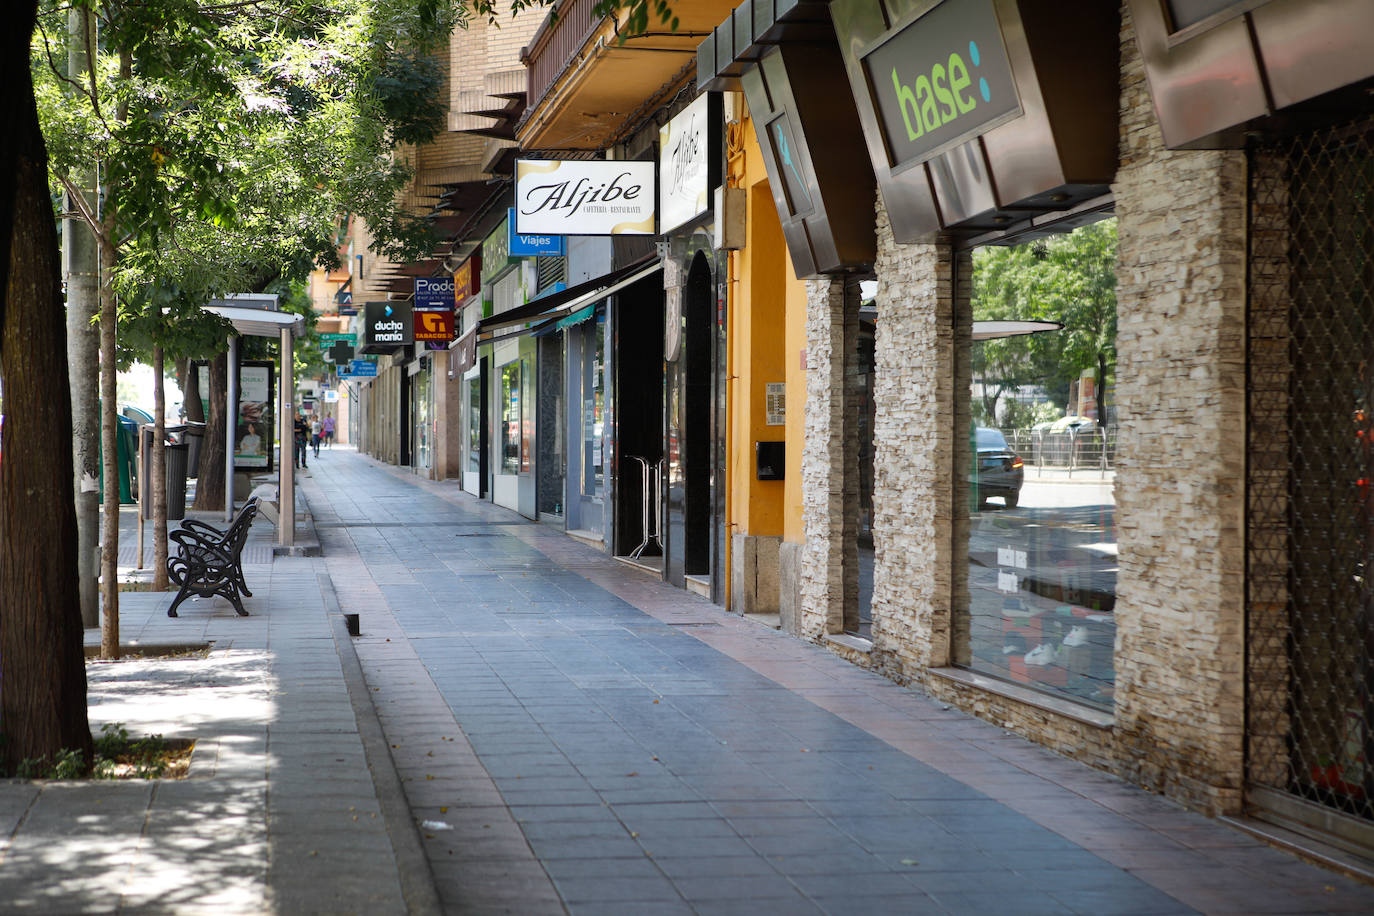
{"x":255,"y":429}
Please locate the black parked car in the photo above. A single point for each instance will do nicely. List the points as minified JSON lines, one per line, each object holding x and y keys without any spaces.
{"x":998,"y":471}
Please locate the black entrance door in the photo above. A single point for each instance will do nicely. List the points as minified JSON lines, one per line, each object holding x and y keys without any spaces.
{"x":688,"y":428}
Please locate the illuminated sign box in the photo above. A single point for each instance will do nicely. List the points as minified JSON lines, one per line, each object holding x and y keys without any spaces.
{"x":576,"y":197}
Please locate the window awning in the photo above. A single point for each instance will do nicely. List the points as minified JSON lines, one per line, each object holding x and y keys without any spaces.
{"x":565,"y":302}
{"x":577,"y":317}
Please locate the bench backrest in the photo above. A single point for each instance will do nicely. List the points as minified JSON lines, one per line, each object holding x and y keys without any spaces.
{"x":242,"y":520}
{"x":237,"y":534}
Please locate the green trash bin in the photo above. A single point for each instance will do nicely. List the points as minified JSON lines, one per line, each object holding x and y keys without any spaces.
{"x":126,"y":447}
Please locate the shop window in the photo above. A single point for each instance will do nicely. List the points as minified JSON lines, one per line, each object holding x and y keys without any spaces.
{"x":593,"y":410}
{"x":526,"y":415}
{"x":510,"y":418}
{"x":1042,"y":557}
{"x":475,"y":425}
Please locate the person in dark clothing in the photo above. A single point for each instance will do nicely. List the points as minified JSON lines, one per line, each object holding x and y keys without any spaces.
{"x":302,"y":437}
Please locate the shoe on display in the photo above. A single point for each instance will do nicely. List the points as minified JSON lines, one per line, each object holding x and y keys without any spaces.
{"x":1078,"y":636}
{"x":1041,"y":656}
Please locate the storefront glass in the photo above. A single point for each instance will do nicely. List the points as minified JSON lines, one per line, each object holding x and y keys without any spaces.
{"x":593,"y":412}
{"x":510,"y":418}
{"x":475,"y":425}
{"x":422,"y":414}
{"x":1042,"y":534}
{"x":526,"y":414}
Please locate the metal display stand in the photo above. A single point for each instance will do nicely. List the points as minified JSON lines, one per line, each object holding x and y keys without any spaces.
{"x":651,"y":492}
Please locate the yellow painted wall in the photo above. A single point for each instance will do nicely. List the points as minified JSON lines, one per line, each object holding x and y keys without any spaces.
{"x":767,"y":338}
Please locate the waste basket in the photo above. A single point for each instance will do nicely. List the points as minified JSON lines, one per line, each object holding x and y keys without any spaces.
{"x":126,"y":444}
{"x":176,"y":480}
{"x":175,"y":456}
{"x":194,"y":438}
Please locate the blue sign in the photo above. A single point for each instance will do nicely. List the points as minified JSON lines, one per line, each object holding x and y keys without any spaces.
{"x":344,"y":297}
{"x":532,"y":245}
{"x":362,"y":368}
{"x":434,"y":294}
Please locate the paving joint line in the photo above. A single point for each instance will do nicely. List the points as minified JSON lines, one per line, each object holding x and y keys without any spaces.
{"x":412,"y":864}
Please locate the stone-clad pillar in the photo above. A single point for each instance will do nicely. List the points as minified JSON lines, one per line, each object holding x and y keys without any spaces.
{"x":826,"y":562}
{"x":916,"y":448}
{"x":1180,"y":481}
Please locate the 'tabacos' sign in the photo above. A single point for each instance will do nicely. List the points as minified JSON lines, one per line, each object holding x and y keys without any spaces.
{"x":525,"y":246}
{"x":941,"y":80}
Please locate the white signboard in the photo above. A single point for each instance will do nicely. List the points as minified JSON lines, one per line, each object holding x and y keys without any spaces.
{"x":598,"y":197}
{"x":682,"y":161}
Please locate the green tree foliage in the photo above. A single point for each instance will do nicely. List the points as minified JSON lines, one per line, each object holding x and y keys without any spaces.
{"x":1070,"y":279}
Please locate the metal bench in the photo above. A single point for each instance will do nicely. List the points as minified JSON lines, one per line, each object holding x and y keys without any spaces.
{"x":207,"y":561}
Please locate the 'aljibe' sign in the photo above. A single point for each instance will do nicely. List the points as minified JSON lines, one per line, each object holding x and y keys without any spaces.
{"x":941,"y":80}
{"x":682,"y":166}
{"x":573,"y":197}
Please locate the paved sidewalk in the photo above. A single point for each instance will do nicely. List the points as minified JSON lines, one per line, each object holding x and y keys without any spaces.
{"x":577,"y":737}
{"x":279,"y":814}
{"x":572,"y":736}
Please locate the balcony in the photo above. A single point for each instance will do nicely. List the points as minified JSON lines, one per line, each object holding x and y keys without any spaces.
{"x":591,"y":85}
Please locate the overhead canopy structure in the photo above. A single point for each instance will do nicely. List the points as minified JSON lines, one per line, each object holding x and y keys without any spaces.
{"x":993,"y":330}
{"x":251,"y":322}
{"x":565,"y":302}
{"x":261,"y":319}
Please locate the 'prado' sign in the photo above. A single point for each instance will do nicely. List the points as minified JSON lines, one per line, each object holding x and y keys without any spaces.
{"x":572,"y":197}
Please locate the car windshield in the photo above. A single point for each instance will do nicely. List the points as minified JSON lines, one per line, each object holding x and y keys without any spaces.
{"x":991,"y":440}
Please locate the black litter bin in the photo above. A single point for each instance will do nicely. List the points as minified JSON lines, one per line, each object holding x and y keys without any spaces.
{"x":176,"y":480}
{"x":195,"y":436}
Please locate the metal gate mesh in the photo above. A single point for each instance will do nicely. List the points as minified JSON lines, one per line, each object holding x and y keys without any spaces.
{"x":1310,"y":666}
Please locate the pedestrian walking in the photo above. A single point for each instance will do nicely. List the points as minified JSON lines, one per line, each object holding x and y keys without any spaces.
{"x":328,"y":428}
{"x":315,"y":435}
{"x":301,"y":429}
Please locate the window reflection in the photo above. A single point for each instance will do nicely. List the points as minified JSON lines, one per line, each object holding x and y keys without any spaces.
{"x":510,"y":418}
{"x":1042,"y":548}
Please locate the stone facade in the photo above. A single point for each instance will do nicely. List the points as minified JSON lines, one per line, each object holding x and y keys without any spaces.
{"x":829,"y":569}
{"x":1178,"y":726}
{"x":1181,"y":294}
{"x":754,"y":574}
{"x":915,"y":454}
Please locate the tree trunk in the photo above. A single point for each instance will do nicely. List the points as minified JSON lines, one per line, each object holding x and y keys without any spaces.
{"x":109,"y":422}
{"x":188,"y":376}
{"x":210,"y":483}
{"x":1102,"y":389}
{"x":159,"y":475}
{"x":109,"y":447}
{"x":43,"y":678}
{"x":81,"y":267}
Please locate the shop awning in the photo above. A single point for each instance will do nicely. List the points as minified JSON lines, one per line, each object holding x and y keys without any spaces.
{"x":577,"y":317}
{"x":564,"y":302}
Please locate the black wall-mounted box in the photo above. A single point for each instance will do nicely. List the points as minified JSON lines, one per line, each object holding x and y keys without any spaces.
{"x":771,"y":460}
